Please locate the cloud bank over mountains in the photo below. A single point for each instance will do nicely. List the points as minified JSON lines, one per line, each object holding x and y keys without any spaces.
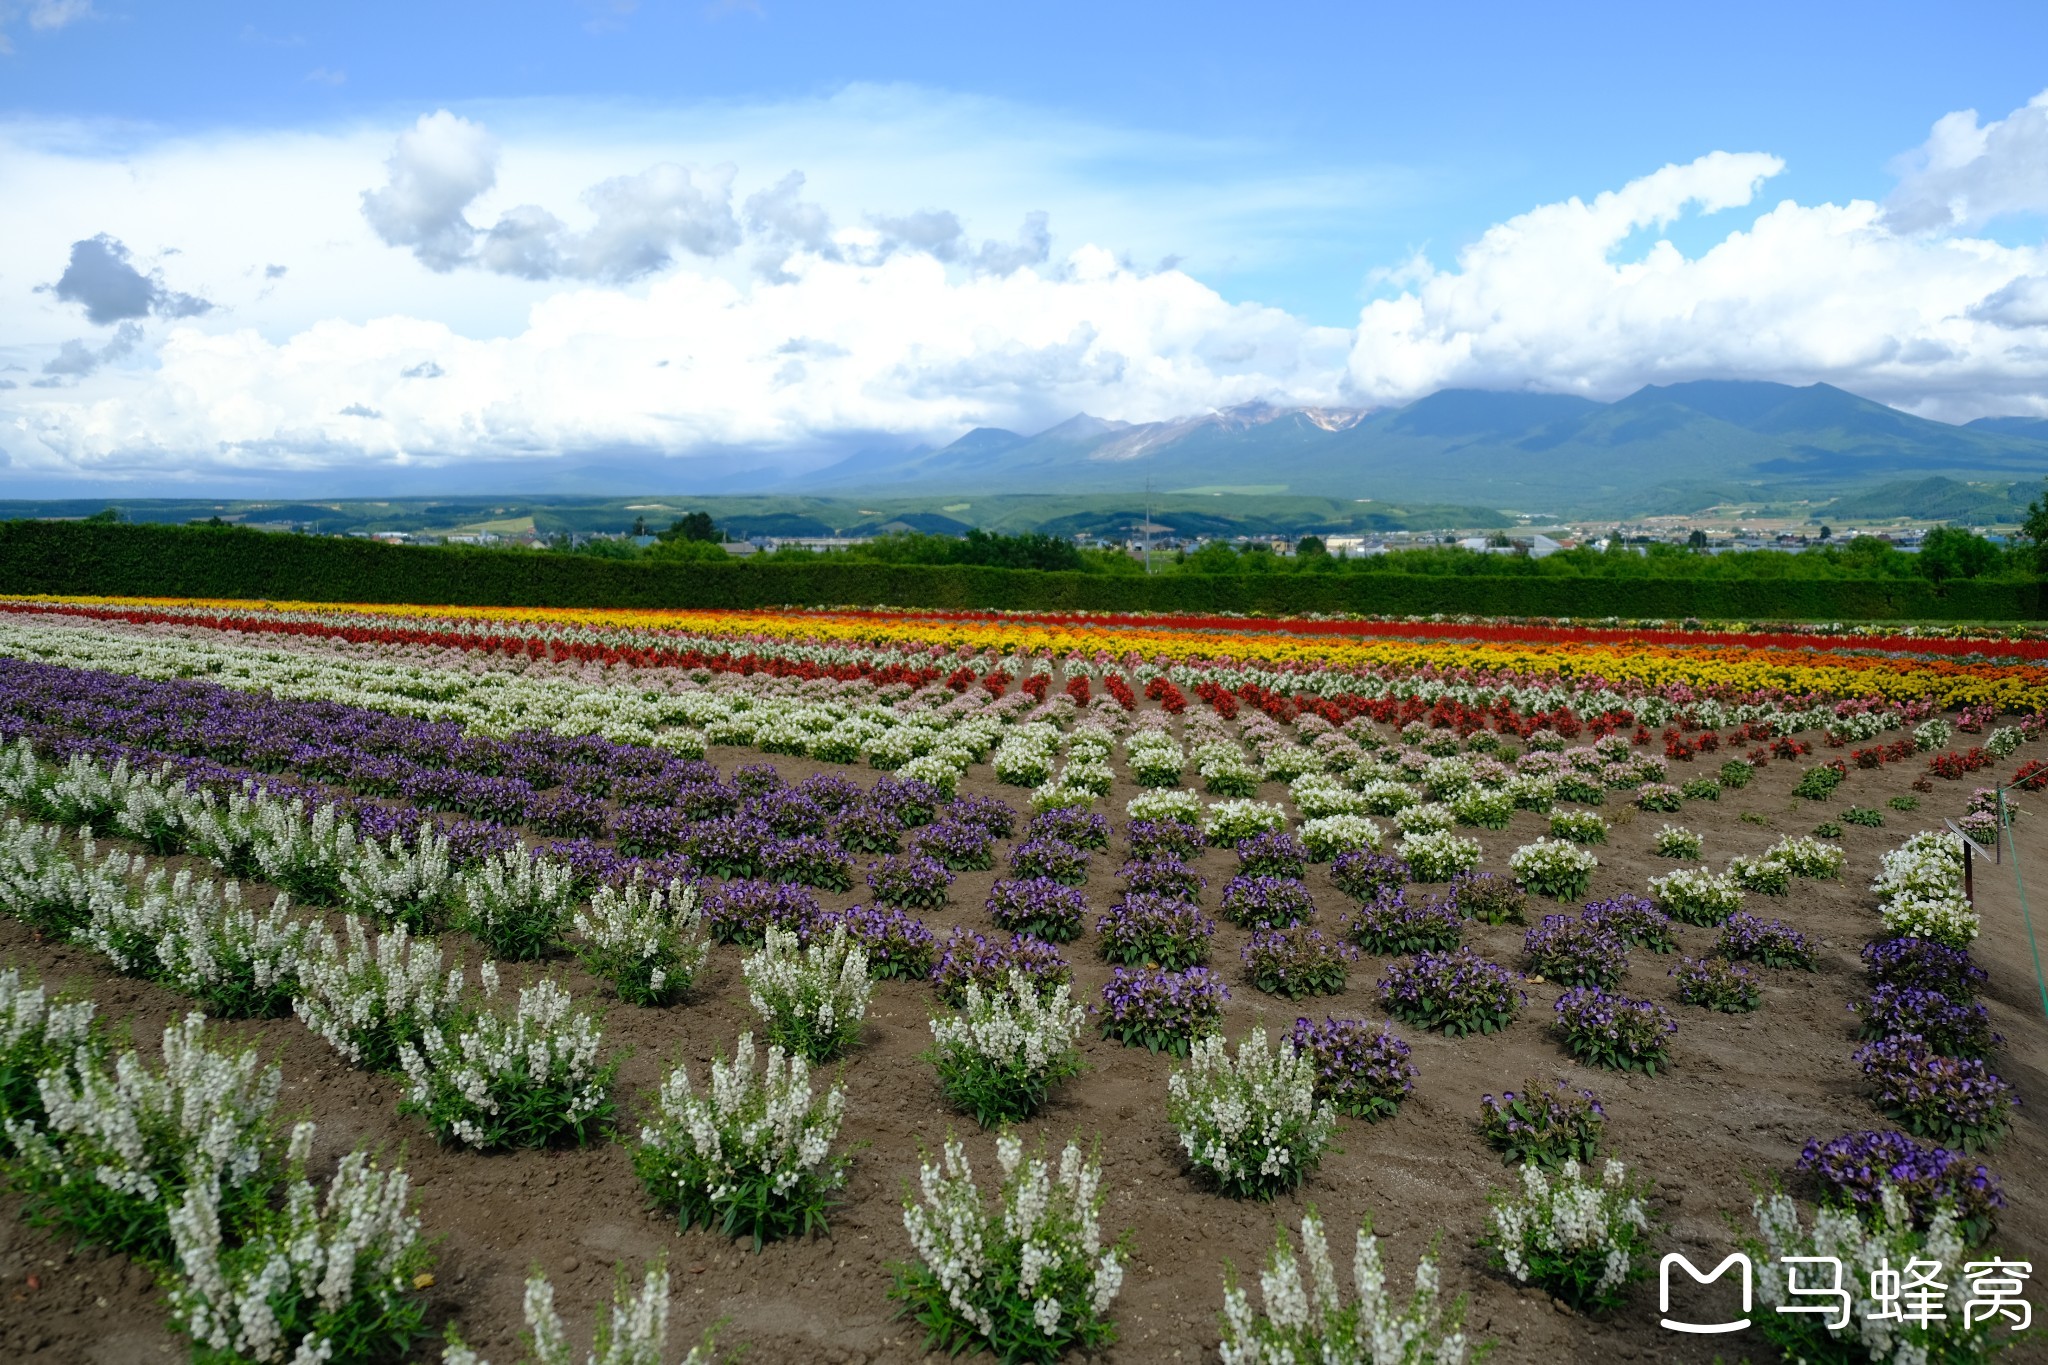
{"x":423,"y":295}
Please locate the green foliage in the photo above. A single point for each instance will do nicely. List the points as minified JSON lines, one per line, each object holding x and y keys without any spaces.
{"x":1950,"y":552}
{"x":209,"y":561}
{"x":1818,"y":784}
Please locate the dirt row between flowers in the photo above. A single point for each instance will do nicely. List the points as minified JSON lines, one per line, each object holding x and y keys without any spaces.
{"x":1745,"y":1093}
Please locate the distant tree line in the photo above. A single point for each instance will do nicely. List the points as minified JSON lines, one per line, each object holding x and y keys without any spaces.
{"x":1947,"y":554}
{"x":236,"y":562}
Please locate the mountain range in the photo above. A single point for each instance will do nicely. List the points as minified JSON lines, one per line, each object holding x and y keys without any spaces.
{"x":1665,"y":447}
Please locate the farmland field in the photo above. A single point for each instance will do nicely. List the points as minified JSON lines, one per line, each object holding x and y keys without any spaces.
{"x":1341,"y":803}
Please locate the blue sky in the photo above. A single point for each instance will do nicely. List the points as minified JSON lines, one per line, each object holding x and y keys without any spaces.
{"x":435,"y":213}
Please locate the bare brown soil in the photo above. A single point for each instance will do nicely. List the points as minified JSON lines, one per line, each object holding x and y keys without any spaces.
{"x":1744,"y":1095}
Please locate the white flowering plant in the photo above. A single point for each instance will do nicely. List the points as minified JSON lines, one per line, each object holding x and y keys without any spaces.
{"x":1485,"y":807}
{"x":42,"y":885}
{"x":215,"y":946}
{"x":1306,"y":1318}
{"x":1933,"y":733}
{"x":1883,"y":1240}
{"x":1027,"y":1280}
{"x":302,"y":852}
{"x":1920,"y":888}
{"x":646,"y":942}
{"x":325,"y":1276}
{"x":814,"y":998}
{"x":119,"y":1145}
{"x":1579,"y":826}
{"x":1948,"y":920}
{"x":1427,"y":818}
{"x":1553,"y":867}
{"x":518,"y":904}
{"x":1438,"y":856}
{"x":1766,"y":875}
{"x":416,"y":885}
{"x":1007,"y":1047}
{"x":1696,"y":896}
{"x":1805,"y":856}
{"x":751,"y":1157}
{"x":370,"y":1001}
{"x":1251,"y":1126}
{"x":636,"y":1333}
{"x":1165,"y":805}
{"x":533,"y":1078}
{"x":39,"y":1032}
{"x":1581,"y":1239}
{"x":1227,"y":822}
{"x":1330,"y":837}
{"x":1676,"y":841}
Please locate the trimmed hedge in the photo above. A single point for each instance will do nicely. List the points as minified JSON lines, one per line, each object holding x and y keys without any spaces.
{"x":203,"y":561}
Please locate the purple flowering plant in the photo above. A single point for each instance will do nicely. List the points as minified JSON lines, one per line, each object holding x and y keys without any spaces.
{"x":1613,"y":1031}
{"x":1276,"y":853}
{"x":1636,"y":919}
{"x":1389,"y":924}
{"x":1768,"y":942}
{"x":1362,"y":1069}
{"x":567,"y":815}
{"x":1716,"y":983}
{"x":1488,"y":898}
{"x":1081,"y":828}
{"x":757,"y":779}
{"x":1361,"y":875}
{"x":808,"y":860}
{"x":788,"y":813}
{"x":969,"y":956}
{"x":862,"y":829}
{"x":1543,"y":1127}
{"x":1458,"y":991}
{"x":911,"y":803}
{"x":1163,"y":875}
{"x":1957,"y":1101}
{"x":729,"y":846}
{"x":1266,"y":902}
{"x":898,"y":943}
{"x":743,"y":911}
{"x":1950,"y":1027}
{"x":1853,"y":1169}
{"x":1146,"y":930}
{"x":912,"y":881}
{"x":1924,"y":963}
{"x":1159,"y":1010}
{"x":1039,"y":907}
{"x":959,"y":845}
{"x":650,"y":831}
{"x":1150,"y":838}
{"x":1054,"y":859}
{"x":1297,"y":961}
{"x":1572,"y":951}
{"x":995,"y":818}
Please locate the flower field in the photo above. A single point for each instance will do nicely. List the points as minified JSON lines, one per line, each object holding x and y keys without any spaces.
{"x":858,"y":985}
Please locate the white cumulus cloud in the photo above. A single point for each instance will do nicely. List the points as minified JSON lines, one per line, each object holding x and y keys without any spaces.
{"x":1968,"y":173}
{"x":1559,"y":299}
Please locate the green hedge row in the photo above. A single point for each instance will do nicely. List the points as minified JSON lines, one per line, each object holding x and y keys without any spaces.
{"x":199,"y":561}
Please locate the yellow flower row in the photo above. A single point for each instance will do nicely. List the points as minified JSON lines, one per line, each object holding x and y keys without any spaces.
{"x":1717,"y":667}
